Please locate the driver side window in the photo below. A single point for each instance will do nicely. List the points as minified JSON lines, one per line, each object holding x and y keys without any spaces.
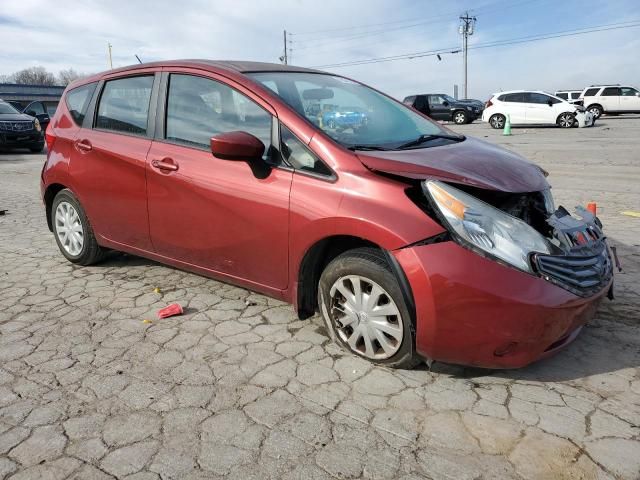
{"x":199,"y":108}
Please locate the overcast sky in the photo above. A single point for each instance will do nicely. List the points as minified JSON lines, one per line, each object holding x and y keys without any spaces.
{"x":65,"y":33}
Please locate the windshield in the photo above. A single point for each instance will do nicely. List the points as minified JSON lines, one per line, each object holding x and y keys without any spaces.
{"x":350,"y":113}
{"x":6,"y":108}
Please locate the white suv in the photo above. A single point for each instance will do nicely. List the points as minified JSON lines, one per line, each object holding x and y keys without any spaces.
{"x":532,"y":108}
{"x":571,"y":96}
{"x":599,"y":99}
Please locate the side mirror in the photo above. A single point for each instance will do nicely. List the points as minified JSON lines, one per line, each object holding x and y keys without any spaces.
{"x":446,"y":104}
{"x":637,"y":94}
{"x":31,"y":113}
{"x":237,"y":146}
{"x":550,"y":103}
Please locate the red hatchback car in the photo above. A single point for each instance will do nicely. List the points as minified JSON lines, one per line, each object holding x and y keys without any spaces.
{"x":414,"y":243}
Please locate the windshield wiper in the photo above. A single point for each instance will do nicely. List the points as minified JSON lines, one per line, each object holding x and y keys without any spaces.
{"x":367,"y":147}
{"x":429,"y":137}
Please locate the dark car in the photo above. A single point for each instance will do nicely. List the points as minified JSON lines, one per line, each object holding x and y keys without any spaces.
{"x":443,"y":107}
{"x":411,"y":241}
{"x":19,"y":130}
{"x":43,"y":111}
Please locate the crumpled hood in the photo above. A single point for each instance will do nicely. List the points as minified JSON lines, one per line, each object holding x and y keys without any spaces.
{"x":472,"y":162}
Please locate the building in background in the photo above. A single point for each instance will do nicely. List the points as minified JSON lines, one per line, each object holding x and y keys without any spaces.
{"x":25,"y":94}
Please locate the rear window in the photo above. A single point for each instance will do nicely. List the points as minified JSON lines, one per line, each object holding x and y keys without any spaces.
{"x":611,"y":92}
{"x":124,"y":105}
{"x":591,"y":92}
{"x":77,"y":101}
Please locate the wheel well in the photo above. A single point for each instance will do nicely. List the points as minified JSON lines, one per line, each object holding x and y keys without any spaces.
{"x":594,"y":105}
{"x":314,"y":262}
{"x":49,"y":195}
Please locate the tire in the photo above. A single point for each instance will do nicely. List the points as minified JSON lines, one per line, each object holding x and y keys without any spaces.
{"x":366,"y":270}
{"x":81,"y":248}
{"x":460,"y":117}
{"x":566,"y":120}
{"x":36,"y":149}
{"x":497,"y":121}
{"x":596,"y":110}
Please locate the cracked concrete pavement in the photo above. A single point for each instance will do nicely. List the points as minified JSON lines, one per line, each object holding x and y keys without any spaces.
{"x":239,"y":388}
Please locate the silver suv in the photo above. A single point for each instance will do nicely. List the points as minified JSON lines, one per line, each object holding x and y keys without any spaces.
{"x":599,"y":99}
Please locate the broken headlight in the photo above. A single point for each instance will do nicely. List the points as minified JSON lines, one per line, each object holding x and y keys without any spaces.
{"x":485,"y":227}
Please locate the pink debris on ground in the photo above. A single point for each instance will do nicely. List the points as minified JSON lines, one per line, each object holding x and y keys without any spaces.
{"x":170,"y":310}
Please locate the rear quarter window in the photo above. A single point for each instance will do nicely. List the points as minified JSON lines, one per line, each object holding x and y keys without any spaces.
{"x":77,"y":101}
{"x":591,"y":92}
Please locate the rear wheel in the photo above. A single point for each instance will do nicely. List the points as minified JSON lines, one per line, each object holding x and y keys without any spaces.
{"x":566,"y":120}
{"x":459,"y":117}
{"x":72,"y":230}
{"x":363,"y":305}
{"x":497,"y":121}
{"x":596,"y":110}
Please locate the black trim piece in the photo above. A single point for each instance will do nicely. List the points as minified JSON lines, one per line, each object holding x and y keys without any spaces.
{"x":439,"y":238}
{"x":88,"y":120}
{"x":407,"y":293}
{"x":158,"y":133}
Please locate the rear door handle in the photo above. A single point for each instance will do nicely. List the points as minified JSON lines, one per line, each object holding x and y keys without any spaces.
{"x":84,"y":145}
{"x":165,"y":164}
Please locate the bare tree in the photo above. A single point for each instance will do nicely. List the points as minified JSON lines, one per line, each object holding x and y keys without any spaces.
{"x":34,"y":76}
{"x":65,"y":77}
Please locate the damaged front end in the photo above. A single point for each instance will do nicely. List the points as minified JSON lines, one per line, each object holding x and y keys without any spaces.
{"x":585,"y":266}
{"x":525,"y":231}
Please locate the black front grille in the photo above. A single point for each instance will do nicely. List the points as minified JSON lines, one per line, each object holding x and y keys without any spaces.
{"x":583,"y":275}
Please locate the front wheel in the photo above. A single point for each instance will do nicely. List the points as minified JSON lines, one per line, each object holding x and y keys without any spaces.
{"x":566,"y":120}
{"x":72,"y":230}
{"x":459,"y":117}
{"x":596,"y":110}
{"x":363,"y":305}
{"x":497,"y":121}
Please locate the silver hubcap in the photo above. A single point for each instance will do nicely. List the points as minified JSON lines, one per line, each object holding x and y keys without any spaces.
{"x":566,"y":120}
{"x":595,"y":112}
{"x":366,"y":317}
{"x":498,"y":122}
{"x":459,"y":118}
{"x":69,"y":228}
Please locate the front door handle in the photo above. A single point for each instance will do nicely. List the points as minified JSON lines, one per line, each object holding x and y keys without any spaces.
{"x":165,"y":164}
{"x":84,"y":146}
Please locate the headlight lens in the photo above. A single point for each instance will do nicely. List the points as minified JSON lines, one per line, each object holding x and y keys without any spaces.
{"x":485,"y":227}
{"x":469,"y":108}
{"x":36,"y":123}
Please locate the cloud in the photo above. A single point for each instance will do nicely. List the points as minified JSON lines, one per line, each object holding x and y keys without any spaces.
{"x":75,"y":34}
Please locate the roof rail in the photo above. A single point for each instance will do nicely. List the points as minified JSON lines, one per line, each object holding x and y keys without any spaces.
{"x":606,"y":85}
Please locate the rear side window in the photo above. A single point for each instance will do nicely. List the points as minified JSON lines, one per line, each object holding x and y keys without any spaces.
{"x":124,"y":105}
{"x":611,"y":92}
{"x":575,"y":95}
{"x":513,"y":97}
{"x":199,"y":108}
{"x":591,"y":92}
{"x":299,"y":156}
{"x":77,"y":101}
{"x":538,"y":98}
{"x":564,"y":96}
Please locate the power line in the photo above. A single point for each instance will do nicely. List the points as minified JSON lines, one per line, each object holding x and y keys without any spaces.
{"x":496,"y":43}
{"x":411,"y":20}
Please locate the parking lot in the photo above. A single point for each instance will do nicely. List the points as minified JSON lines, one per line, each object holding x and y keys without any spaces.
{"x":239,"y":388}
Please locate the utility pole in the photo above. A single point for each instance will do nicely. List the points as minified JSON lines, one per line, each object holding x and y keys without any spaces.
{"x":467,"y":24}
{"x":110,"y":59}
{"x":285,"y":48}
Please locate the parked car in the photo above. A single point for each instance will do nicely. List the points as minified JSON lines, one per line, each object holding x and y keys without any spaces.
{"x":18,"y":130}
{"x":345,"y":117}
{"x":532,"y":108}
{"x":615,"y":99}
{"x":443,"y":107}
{"x":571,"y":96}
{"x":412,"y":241}
{"x":43,"y":111}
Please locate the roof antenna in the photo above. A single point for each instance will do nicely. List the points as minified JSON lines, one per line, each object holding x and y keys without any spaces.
{"x":138,"y":58}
